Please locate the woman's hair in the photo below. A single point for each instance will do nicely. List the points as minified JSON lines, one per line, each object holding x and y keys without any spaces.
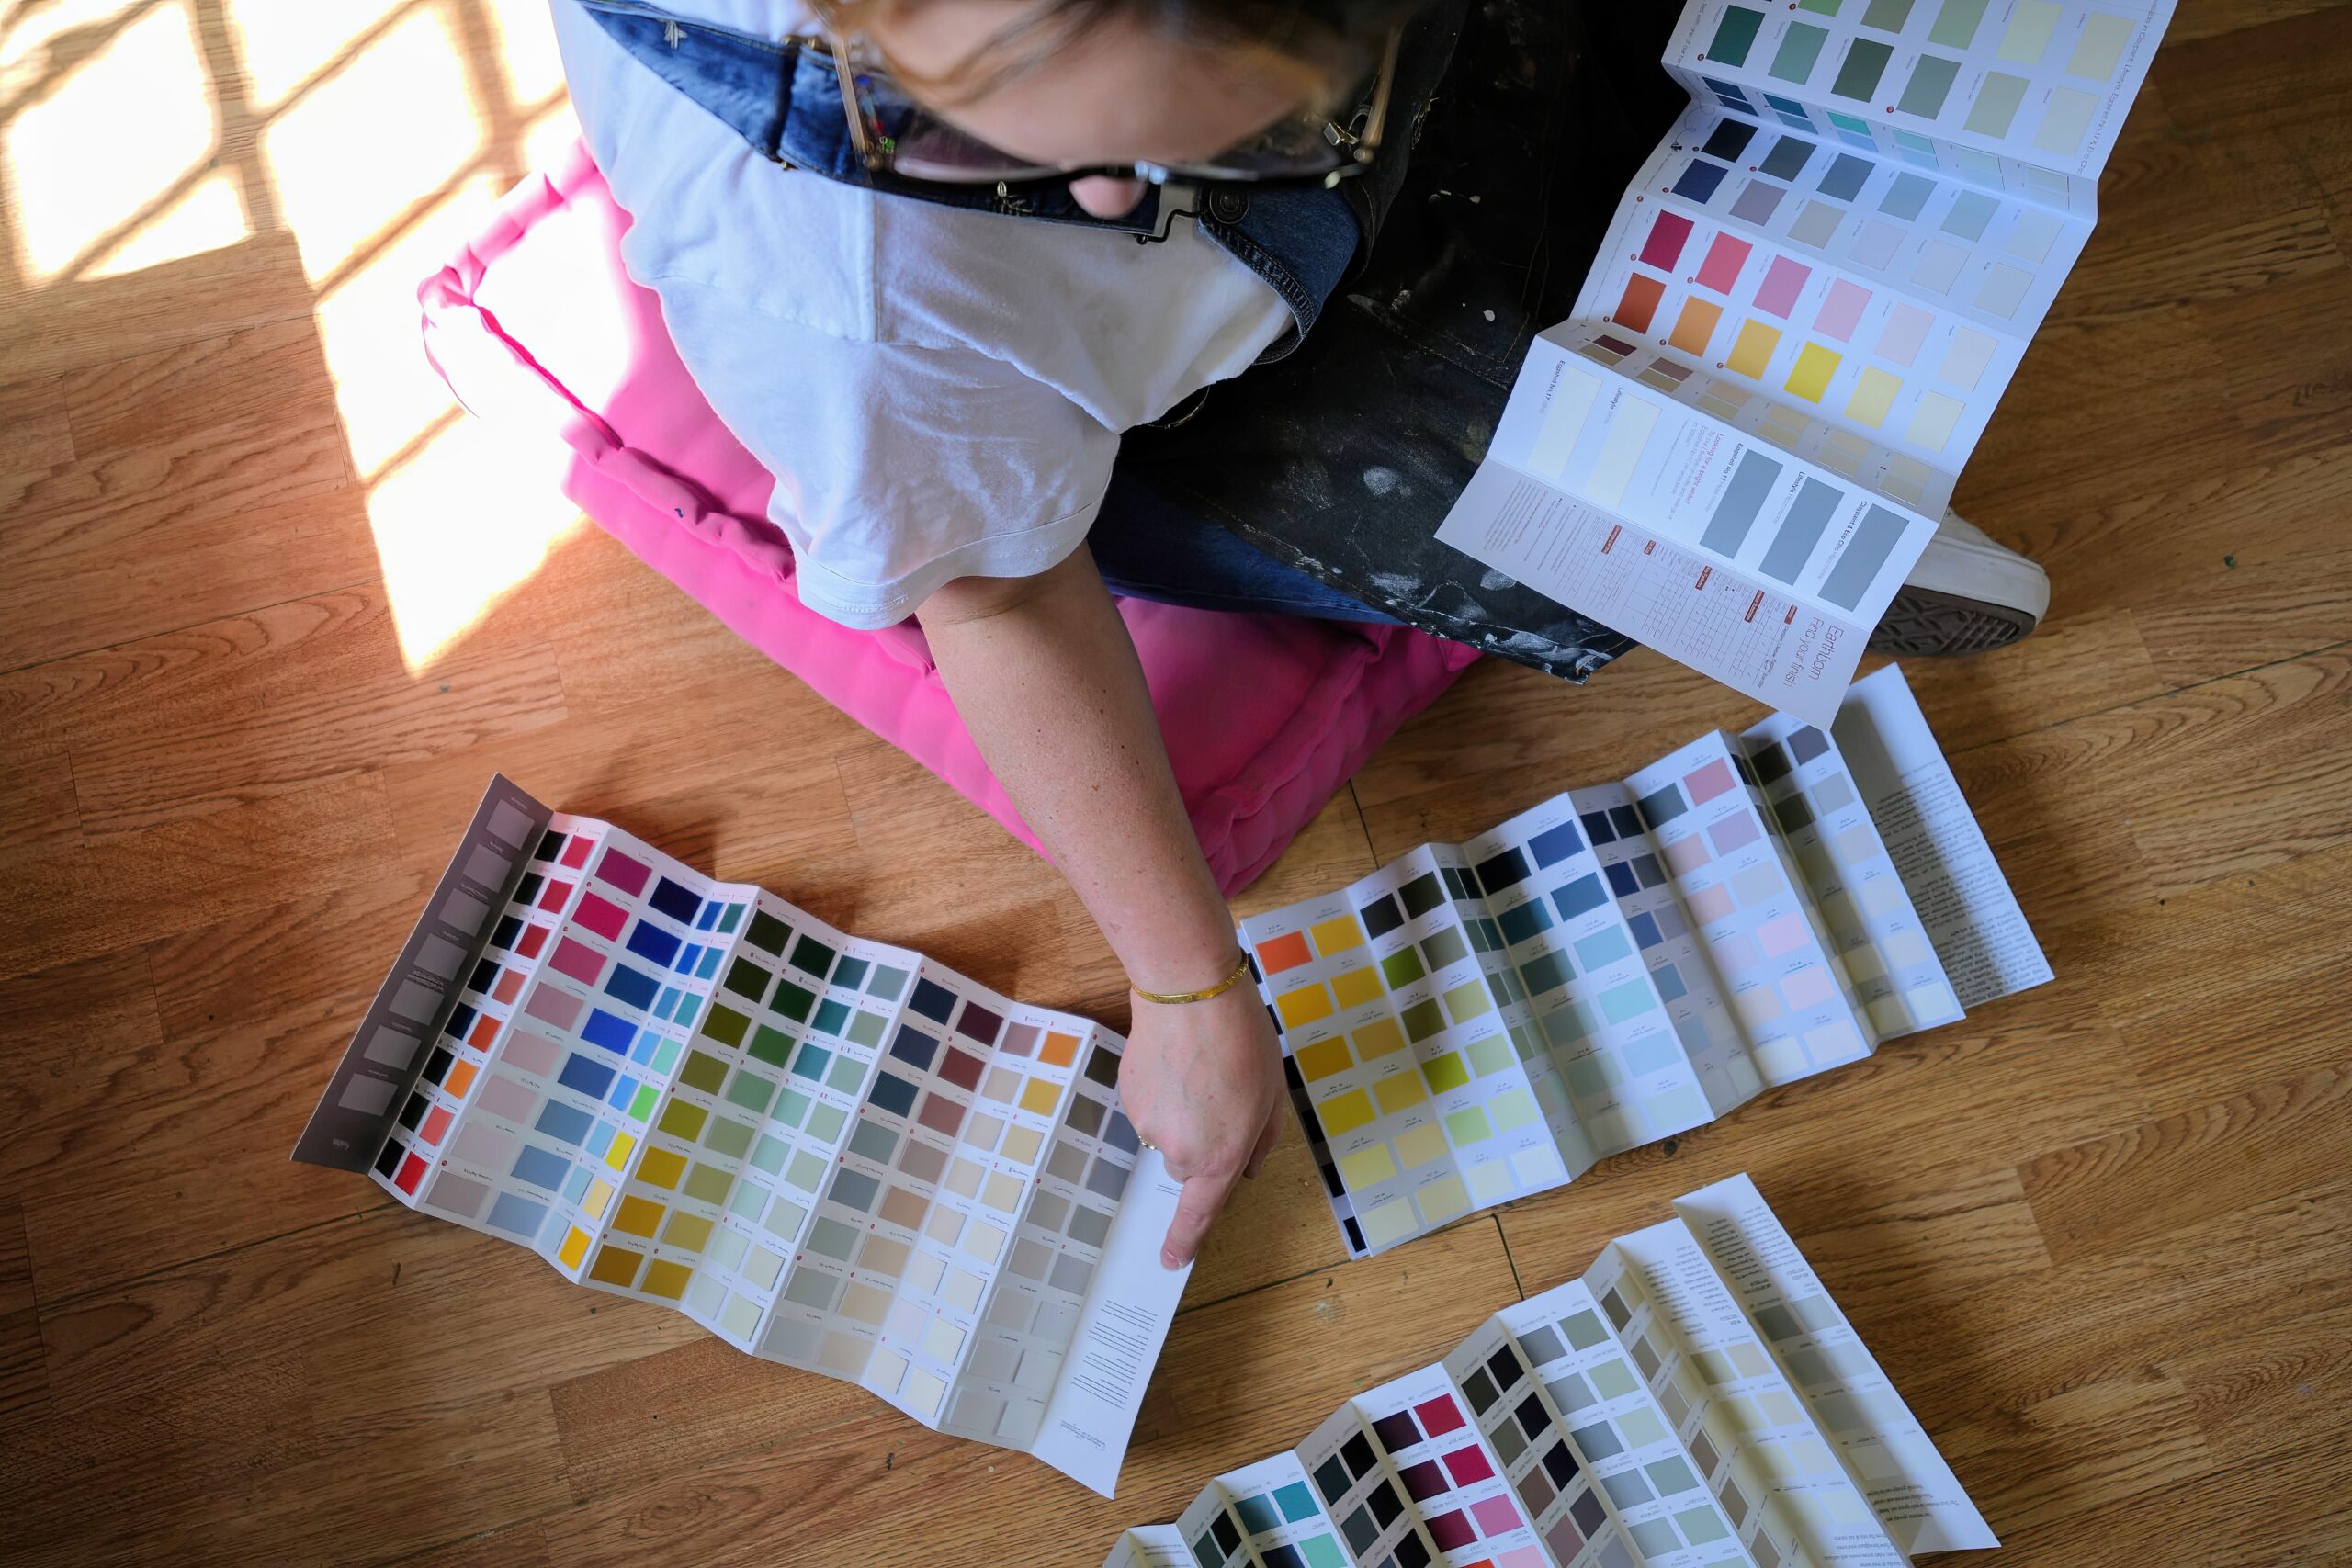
{"x":1330,"y":41}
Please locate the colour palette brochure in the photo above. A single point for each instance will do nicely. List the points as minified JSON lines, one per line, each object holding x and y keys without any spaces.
{"x":829,"y":1152}
{"x":1807,"y":305}
{"x":1695,"y":1397}
{"x":1477,"y":1021}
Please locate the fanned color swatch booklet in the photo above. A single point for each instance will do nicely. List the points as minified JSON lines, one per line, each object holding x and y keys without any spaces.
{"x":1477,"y":1022}
{"x":1696,"y":1397}
{"x":828,"y":1152}
{"x":1808,"y":302}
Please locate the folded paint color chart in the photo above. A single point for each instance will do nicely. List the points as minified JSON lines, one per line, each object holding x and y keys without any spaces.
{"x":1477,"y":1021}
{"x":1807,"y":307}
{"x":829,"y":1152}
{"x":1696,"y":1397}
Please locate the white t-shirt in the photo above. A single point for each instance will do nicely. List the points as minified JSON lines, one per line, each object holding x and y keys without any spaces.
{"x":938,"y":391}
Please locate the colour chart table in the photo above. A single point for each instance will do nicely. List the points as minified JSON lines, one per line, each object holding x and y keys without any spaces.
{"x":1694,"y":1397}
{"x":1477,"y":1021}
{"x":829,"y":1152}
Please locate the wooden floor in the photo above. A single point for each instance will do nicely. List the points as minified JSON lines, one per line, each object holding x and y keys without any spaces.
{"x":270,"y":612}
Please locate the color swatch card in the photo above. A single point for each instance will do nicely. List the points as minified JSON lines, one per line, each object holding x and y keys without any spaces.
{"x":1695,"y":1397}
{"x":1477,"y":1021}
{"x":829,"y":1152}
{"x":1807,"y":307}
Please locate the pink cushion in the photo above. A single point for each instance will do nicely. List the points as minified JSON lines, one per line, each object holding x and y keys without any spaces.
{"x":537,"y":325}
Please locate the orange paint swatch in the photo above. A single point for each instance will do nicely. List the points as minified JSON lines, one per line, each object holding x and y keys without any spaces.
{"x":1695,"y":326}
{"x":1638,"y":305}
{"x":1286,"y":952}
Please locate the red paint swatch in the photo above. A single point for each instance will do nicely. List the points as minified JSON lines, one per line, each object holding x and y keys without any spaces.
{"x":437,"y":1126}
{"x":1667,"y":238}
{"x":961,"y":1068}
{"x":575,"y":854}
{"x":552,"y":895}
{"x":1467,"y":1465}
{"x":1439,"y":1416}
{"x":533,"y":939}
{"x":603,"y":917}
{"x":412,"y":1172}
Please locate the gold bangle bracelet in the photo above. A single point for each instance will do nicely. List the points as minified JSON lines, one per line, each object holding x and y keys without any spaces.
{"x":1171,"y":998}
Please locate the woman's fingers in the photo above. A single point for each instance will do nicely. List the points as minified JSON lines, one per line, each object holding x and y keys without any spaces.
{"x":1196,"y":1209}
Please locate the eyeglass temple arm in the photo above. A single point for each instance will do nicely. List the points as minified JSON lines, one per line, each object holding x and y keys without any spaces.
{"x":1376,"y":121}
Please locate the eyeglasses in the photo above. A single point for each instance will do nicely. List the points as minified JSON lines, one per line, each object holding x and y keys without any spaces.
{"x":895,"y":135}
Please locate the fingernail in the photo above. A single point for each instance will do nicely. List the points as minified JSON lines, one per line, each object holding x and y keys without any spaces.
{"x":1169,"y":1260}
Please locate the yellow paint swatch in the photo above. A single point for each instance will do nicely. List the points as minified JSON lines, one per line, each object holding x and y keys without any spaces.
{"x":1695,"y":326}
{"x":1337,"y":935}
{"x":1873,"y":395}
{"x":1421,"y":1146}
{"x":615,"y":1265}
{"x":1400,"y":1091}
{"x":661,"y":1168}
{"x":574,"y":1247}
{"x":1390,"y":1222}
{"x":1753,"y":349}
{"x":1379,"y":1037}
{"x":1303,"y":1006}
{"x":623,"y":1146}
{"x":1365,"y":1167}
{"x":666,"y":1279}
{"x":1357,"y":986}
{"x":1323,"y":1058}
{"x":1344,"y":1113}
{"x":1040,"y":1096}
{"x":1810,"y":378}
{"x":599,"y":1193}
{"x":1442,"y":1200}
{"x":637,"y":1216}
{"x":1932,"y":422}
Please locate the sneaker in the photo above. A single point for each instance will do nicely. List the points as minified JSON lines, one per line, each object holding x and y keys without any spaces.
{"x":1966,"y":594}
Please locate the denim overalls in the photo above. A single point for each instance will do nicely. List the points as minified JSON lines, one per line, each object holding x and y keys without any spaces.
{"x":1314,"y":482}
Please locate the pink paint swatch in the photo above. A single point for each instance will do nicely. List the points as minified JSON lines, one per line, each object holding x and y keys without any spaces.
{"x":1782,"y":281}
{"x":1705,"y":784}
{"x":1842,"y":311}
{"x":1724,"y":258}
{"x":1906,"y":329}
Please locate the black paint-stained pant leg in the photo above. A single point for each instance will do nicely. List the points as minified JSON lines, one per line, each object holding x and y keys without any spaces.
{"x":1343,"y":459}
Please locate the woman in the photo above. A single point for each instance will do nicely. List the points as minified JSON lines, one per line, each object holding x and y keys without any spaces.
{"x":839,"y":215}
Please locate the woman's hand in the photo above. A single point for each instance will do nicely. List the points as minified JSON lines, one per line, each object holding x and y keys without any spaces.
{"x":1203,"y":1083}
{"x":1043,"y":673}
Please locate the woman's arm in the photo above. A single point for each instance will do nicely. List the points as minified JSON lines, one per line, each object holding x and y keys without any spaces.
{"x":1046,"y":679}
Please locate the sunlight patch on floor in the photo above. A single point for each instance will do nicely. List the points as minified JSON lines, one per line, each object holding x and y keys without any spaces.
{"x":125,"y":122}
{"x":366,"y":130}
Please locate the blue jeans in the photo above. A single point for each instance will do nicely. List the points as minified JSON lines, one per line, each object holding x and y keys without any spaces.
{"x":1149,"y":547}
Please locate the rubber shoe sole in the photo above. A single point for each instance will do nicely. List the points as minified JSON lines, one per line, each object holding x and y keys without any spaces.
{"x":1925,"y":623}
{"x":1965,"y":594}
